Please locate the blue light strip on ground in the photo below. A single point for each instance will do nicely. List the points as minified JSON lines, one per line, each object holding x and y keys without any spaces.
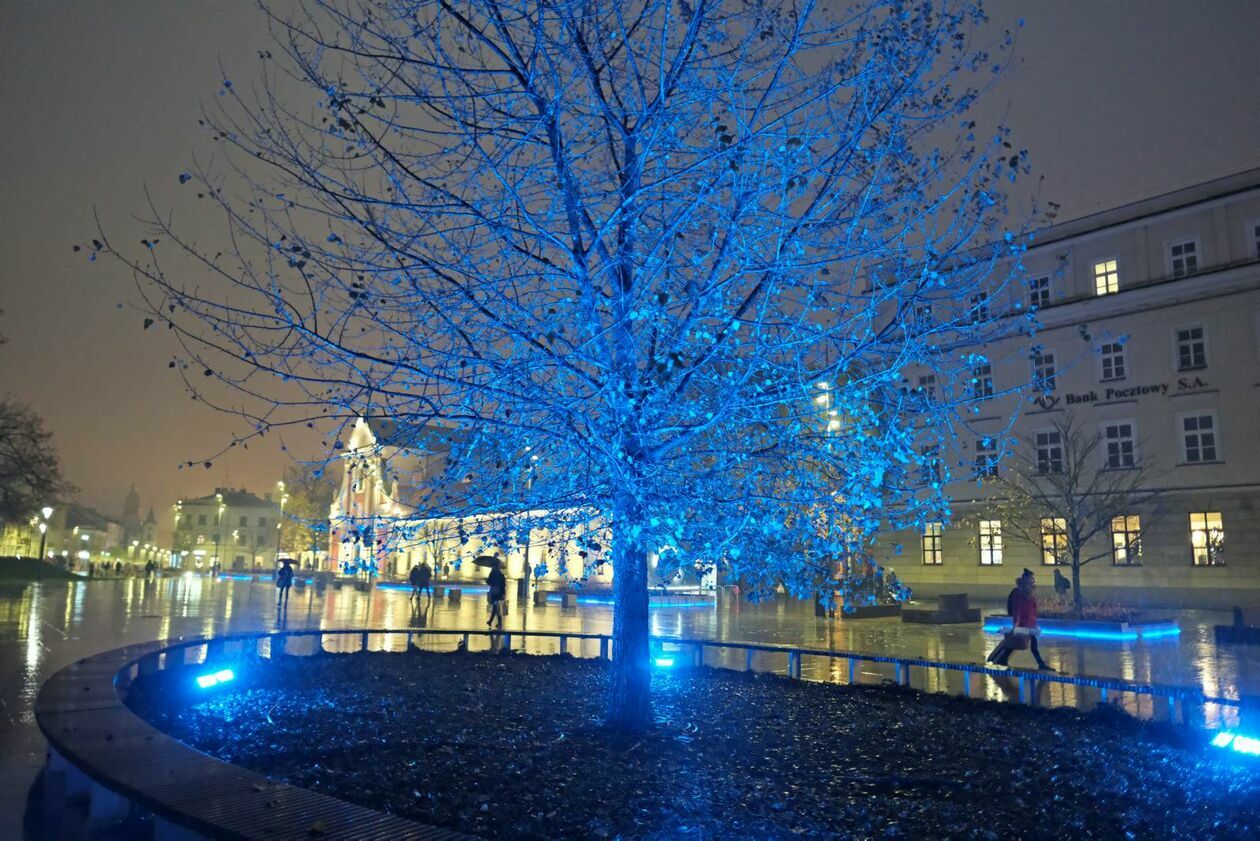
{"x":1086,"y":634}
{"x":223,"y":577}
{"x":600,"y":600}
{"x":1237,"y":743}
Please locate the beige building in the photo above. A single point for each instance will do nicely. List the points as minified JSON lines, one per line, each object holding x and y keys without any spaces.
{"x":1150,"y":335}
{"x":231,"y":526}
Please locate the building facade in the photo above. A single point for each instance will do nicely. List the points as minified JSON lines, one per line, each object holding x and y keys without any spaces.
{"x":1150,"y":336}
{"x":230,"y":528}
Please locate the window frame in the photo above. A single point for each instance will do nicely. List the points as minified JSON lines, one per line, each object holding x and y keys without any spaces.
{"x":1176,"y":347}
{"x":1169,"y":259}
{"x":1124,"y":361}
{"x":988,"y":469}
{"x":1058,"y":538}
{"x":1252,"y":228}
{"x":1049,"y":430}
{"x":993,"y":546}
{"x":930,"y":469}
{"x":1132,"y":541}
{"x":1035,"y":290}
{"x":932,"y":539}
{"x":982,"y":384}
{"x":1106,"y":450}
{"x":1045,"y":384}
{"x":1102,"y":261}
{"x":1213,"y":552}
{"x":1184,"y":453}
{"x":978,"y":308}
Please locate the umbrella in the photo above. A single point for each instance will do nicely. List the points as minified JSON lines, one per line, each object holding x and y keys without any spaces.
{"x":487,"y":561}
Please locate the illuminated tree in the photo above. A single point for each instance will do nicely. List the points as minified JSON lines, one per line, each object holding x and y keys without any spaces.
{"x":308,"y":496}
{"x":660,"y":265}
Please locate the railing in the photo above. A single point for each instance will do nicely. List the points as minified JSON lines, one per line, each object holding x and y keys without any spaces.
{"x":1191,"y":700}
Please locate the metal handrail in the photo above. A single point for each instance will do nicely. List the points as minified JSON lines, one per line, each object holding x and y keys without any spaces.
{"x":1027,"y":678}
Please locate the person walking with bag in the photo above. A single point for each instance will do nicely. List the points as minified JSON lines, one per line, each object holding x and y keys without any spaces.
{"x":1022,"y":606}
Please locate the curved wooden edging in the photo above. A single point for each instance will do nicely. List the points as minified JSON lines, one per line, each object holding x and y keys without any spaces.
{"x":81,"y":713}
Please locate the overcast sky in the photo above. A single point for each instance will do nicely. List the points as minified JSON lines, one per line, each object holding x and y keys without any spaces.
{"x":1114,"y":99}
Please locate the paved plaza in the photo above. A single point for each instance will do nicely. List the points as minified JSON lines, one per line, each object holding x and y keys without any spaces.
{"x":46,"y":626}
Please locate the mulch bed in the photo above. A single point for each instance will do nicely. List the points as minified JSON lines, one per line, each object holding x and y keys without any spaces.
{"x":511,"y":747}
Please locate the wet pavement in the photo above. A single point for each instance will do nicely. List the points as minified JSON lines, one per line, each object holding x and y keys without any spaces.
{"x":46,"y":626}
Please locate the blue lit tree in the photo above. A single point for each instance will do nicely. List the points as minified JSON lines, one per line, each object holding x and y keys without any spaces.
{"x":661,"y":266}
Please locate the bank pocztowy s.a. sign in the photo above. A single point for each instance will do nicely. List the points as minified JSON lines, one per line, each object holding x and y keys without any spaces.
{"x":1050,"y":401}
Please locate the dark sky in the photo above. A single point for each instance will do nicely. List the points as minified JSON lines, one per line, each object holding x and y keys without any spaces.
{"x":1115,"y":99}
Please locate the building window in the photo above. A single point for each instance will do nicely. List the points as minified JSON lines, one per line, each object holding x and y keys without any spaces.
{"x":923,"y":315}
{"x":990,"y":542}
{"x":1106,"y":277}
{"x":1039,"y":292}
{"x":201,"y":540}
{"x":1198,"y":438}
{"x":201,"y":519}
{"x":1207,"y":538}
{"x":982,"y":381}
{"x":1183,"y":258}
{"x":244,"y":521}
{"x":1112,"y":362}
{"x":932,"y":533}
{"x":986,"y":458}
{"x":1126,"y":540}
{"x":1054,"y":540}
{"x":1119,"y":446}
{"x":930,"y":467}
{"x":927,"y":387}
{"x":1043,"y":370}
{"x":1191,"y":348}
{"x":262,"y":522}
{"x":979,"y":311}
{"x":1255,"y":237}
{"x":1049,"y":446}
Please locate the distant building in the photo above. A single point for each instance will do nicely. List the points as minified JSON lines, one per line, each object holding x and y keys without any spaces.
{"x":230,"y":526}
{"x":1150,"y":334}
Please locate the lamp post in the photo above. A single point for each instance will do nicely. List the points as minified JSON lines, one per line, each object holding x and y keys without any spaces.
{"x":43,"y":539}
{"x":283,"y":497}
{"x":175,"y":541}
{"x":218,"y":534}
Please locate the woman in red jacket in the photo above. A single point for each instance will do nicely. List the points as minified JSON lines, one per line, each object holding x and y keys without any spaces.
{"x":1022,"y":606}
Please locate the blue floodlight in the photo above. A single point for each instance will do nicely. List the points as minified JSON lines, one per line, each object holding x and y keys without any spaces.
{"x":215,"y":678}
{"x":664,"y":662}
{"x":1237,"y":742}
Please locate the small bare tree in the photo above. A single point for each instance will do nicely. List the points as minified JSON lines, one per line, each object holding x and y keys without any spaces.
{"x":1066,"y":491}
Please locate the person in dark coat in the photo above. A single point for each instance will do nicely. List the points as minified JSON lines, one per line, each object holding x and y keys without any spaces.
{"x":498,"y":593}
{"x":1061,"y":584}
{"x":1021,"y":604}
{"x":284,"y":580}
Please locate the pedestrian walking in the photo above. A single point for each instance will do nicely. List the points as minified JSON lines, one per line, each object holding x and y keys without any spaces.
{"x":1021,"y":604}
{"x":284,"y":580}
{"x":1061,"y":584}
{"x":497,"y":595}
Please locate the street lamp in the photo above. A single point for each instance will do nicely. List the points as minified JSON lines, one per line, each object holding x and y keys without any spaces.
{"x":218,"y":534}
{"x":43,"y":539}
{"x":283,"y":497}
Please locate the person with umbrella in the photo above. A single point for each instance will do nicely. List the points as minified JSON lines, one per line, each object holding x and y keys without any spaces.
{"x":498,"y":587}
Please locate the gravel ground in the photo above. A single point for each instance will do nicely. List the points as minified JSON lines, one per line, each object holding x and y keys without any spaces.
{"x":511,"y":747}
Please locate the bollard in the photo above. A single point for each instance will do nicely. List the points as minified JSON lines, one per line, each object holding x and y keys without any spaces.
{"x":697,"y":654}
{"x":568,"y":600}
{"x":603,"y":648}
{"x":454,"y":595}
{"x":439,"y":591}
{"x":540,"y":598}
{"x":564,"y":644}
{"x":966,"y":684}
{"x":852,"y":671}
{"x":748,"y":658}
{"x":794,"y":664}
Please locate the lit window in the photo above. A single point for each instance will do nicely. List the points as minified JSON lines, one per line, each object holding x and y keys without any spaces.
{"x":1049,"y":446}
{"x":1039,"y":292}
{"x":986,"y":458}
{"x":1191,"y":348}
{"x":990,"y":542}
{"x":979,"y":311}
{"x":1183,"y":258}
{"x":1118,"y":441}
{"x":1126,"y":540}
{"x":1198,"y":438}
{"x":1207,"y":538}
{"x":932,"y":533}
{"x":1112,"y":362}
{"x":201,"y":540}
{"x":1043,"y":370}
{"x":982,"y":381}
{"x":1054,"y":540}
{"x":1106,"y":277}
{"x":930,"y":466}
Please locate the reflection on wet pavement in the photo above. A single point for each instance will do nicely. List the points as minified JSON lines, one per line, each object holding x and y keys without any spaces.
{"x":44,"y":627}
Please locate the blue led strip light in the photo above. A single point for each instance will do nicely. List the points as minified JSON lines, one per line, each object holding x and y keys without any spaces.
{"x":1162,"y":631}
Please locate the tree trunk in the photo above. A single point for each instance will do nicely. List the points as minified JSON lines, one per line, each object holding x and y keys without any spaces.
{"x":630,"y":700}
{"x":1077,"y":604}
